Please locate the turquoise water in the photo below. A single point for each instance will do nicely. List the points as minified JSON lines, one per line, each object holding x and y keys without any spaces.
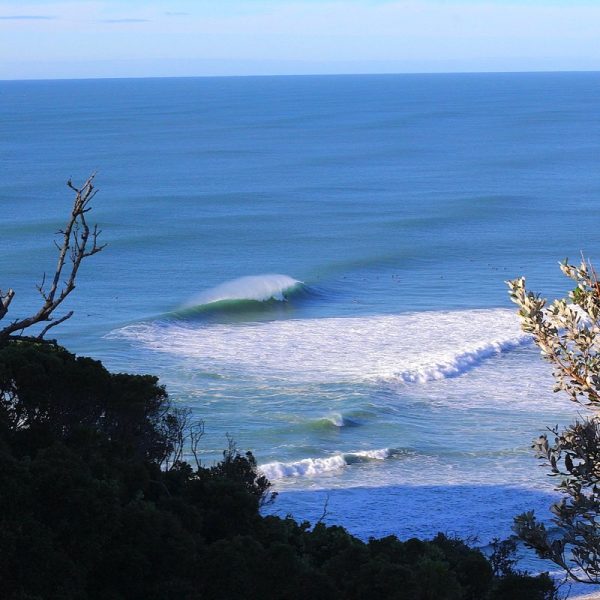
{"x":316,"y":266}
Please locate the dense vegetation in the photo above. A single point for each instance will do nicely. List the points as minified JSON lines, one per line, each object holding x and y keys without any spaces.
{"x":96,"y":503}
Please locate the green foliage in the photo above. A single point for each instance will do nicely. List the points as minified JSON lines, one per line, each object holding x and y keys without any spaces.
{"x":96,"y":505}
{"x":574,"y":458}
{"x":568,"y":334}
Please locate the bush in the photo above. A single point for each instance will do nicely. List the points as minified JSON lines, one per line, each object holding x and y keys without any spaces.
{"x":48,"y":394}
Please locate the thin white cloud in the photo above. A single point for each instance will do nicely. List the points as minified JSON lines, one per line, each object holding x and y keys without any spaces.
{"x":27,"y":17}
{"x":124,"y":20}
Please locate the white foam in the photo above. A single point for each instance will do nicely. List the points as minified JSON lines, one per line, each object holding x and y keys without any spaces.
{"x":312,"y":467}
{"x":407,"y":348}
{"x":460,"y":363}
{"x":270,"y":286}
{"x":371,"y":454}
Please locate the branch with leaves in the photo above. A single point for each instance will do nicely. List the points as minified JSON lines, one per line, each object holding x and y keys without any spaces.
{"x":78,"y":241}
{"x":568,"y":334}
{"x":574,"y":458}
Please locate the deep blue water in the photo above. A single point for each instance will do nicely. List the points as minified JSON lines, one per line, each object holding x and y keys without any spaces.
{"x":401,"y":203}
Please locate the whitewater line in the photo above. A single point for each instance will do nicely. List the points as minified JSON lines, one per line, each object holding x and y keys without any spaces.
{"x":405,"y":348}
{"x":311,"y":467}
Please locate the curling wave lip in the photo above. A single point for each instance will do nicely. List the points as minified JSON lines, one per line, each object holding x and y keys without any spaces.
{"x":270,"y":286}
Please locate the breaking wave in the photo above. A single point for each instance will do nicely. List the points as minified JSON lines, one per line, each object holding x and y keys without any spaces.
{"x":311,"y":467}
{"x":334,"y":421}
{"x":460,"y":363}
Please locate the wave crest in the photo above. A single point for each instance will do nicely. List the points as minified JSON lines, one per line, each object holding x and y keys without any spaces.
{"x":334,"y":421}
{"x":259,"y":288}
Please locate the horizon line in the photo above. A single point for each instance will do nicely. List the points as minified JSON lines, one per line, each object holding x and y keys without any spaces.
{"x":332,"y":74}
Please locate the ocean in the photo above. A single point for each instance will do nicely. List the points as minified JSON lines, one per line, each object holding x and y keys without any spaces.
{"x":316,"y":265}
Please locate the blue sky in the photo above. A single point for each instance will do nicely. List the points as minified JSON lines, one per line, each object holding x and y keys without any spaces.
{"x":109,"y":38}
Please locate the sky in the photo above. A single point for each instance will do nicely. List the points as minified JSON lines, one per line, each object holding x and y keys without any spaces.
{"x":45,"y":39}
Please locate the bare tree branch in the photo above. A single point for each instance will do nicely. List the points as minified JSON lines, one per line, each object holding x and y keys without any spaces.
{"x":40,"y":287}
{"x":5,"y":300}
{"x":196,"y":433}
{"x":324,"y":513}
{"x":54,"y":324}
{"x":78,"y":242}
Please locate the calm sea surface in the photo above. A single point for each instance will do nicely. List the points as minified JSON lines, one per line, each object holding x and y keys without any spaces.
{"x":315,"y":266}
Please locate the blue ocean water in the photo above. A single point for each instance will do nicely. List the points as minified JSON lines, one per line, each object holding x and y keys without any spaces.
{"x":316,"y":266}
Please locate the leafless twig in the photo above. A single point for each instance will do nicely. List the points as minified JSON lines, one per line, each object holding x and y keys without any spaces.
{"x":78,"y":242}
{"x":324,"y":513}
{"x":196,"y":433}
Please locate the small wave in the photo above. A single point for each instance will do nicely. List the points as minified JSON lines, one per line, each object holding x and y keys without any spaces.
{"x":334,"y":421}
{"x":258,"y":288}
{"x":311,"y":467}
